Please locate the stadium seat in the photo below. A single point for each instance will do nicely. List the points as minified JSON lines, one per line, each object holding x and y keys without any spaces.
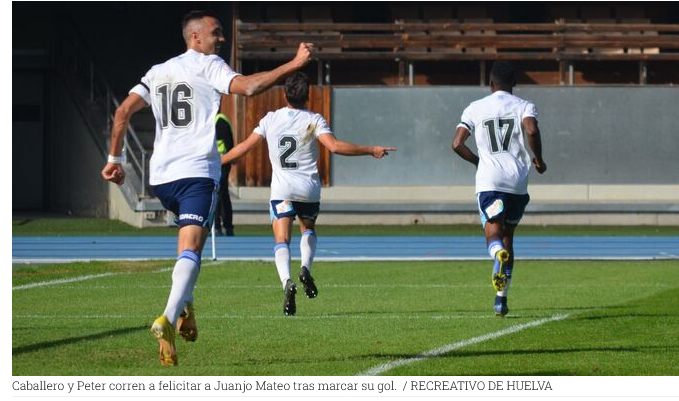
{"x":409,"y":13}
{"x":441,"y":13}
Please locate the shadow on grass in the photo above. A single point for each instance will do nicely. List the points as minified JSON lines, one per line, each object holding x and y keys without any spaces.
{"x":21,"y":222}
{"x":58,"y":343}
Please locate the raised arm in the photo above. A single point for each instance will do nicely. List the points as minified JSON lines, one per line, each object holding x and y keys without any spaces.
{"x":249,"y":85}
{"x":461,"y":148}
{"x":113,"y":171}
{"x":349,"y":149}
{"x":242,"y":148}
{"x":530,"y":125}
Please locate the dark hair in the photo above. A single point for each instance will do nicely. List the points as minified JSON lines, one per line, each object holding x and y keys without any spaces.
{"x":197,"y":14}
{"x":297,"y":89}
{"x":502,"y":74}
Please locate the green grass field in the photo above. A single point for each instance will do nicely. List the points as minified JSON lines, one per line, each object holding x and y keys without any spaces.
{"x":621,"y":319}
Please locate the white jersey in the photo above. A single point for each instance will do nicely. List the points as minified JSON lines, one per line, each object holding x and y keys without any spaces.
{"x":291,"y":135}
{"x":496,"y":123}
{"x":184,"y":93}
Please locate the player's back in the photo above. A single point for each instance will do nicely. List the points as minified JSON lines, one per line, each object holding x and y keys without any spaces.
{"x":184,"y":93}
{"x":496,"y":123}
{"x":291,"y":136}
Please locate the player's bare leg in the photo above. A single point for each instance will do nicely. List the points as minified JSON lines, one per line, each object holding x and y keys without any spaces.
{"x":282,"y":229}
{"x":307,"y":248}
{"x":501,"y":308}
{"x":494,"y":231}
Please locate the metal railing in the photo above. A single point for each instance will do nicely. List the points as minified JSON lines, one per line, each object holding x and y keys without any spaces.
{"x":97,"y":104}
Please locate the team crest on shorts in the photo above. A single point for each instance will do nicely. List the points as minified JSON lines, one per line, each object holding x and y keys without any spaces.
{"x":495,"y":208}
{"x":284,"y":207}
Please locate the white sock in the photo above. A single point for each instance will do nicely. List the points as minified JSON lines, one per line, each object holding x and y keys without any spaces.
{"x":494,"y":247}
{"x":282,"y":257}
{"x":508,"y":272}
{"x":184,"y":278}
{"x":307,"y":247}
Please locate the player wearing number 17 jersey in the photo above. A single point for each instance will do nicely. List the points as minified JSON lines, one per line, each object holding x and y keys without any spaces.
{"x":498,"y":123}
{"x":291,"y":133}
{"x":185,"y":94}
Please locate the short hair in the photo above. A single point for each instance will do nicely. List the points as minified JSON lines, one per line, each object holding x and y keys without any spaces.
{"x":502,"y":74}
{"x":195,"y":15}
{"x":297,"y":89}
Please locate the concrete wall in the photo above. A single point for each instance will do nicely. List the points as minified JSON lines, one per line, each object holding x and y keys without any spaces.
{"x":74,"y":184}
{"x":591,"y":135}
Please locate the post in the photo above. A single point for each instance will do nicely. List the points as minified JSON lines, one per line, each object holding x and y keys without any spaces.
{"x":482,"y":73}
{"x":327,"y":72}
{"x":214,"y":247}
{"x":143,"y":173}
{"x":643,"y":73}
{"x":411,"y":73}
{"x":571,"y":73}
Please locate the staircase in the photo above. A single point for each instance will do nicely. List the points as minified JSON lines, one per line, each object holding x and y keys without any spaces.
{"x":97,"y":103}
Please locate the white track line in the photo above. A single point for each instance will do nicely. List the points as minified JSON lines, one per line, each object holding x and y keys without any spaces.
{"x":377,"y":370}
{"x":52,"y":283}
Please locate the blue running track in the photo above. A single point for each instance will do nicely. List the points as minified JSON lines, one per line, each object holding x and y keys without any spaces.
{"x":65,"y":249}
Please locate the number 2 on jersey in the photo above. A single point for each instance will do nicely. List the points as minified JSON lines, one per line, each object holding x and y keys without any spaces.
{"x":287,"y":145}
{"x":505,"y":134}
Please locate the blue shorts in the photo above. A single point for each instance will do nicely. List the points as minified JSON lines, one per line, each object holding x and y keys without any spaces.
{"x":495,"y":205}
{"x":285,"y":208}
{"x":192,"y":200}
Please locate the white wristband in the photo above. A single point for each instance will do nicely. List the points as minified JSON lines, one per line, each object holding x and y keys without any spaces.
{"x":115,"y":159}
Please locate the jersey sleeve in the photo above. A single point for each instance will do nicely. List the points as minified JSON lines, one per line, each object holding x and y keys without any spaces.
{"x":466,"y":121}
{"x":263,"y":125}
{"x":530,"y":111}
{"x":322,"y":126}
{"x":143,"y":88}
{"x":219,"y":74}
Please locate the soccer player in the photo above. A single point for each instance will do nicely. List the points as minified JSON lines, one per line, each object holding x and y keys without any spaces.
{"x":291,"y":133}
{"x":498,"y":123}
{"x":184,"y":93}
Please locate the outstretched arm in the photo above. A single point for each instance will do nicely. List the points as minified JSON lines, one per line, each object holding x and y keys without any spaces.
{"x":349,"y":149}
{"x":114,"y":171}
{"x":530,"y":125}
{"x":249,"y":85}
{"x":461,"y":149}
{"x":242,"y":148}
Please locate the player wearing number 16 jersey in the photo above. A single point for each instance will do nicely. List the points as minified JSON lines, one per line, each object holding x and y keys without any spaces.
{"x":291,"y":133}
{"x":498,"y":123}
{"x":185,"y":93}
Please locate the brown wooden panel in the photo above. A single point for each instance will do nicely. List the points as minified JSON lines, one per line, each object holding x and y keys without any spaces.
{"x":255,"y":169}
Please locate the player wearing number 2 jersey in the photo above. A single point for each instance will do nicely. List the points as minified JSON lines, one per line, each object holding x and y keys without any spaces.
{"x":291,"y":134}
{"x":184,"y":93}
{"x":498,"y":123}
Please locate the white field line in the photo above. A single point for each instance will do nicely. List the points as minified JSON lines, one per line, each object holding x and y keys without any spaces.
{"x":62,"y":281}
{"x":361,"y":286}
{"x":52,"y":283}
{"x":662,"y":256}
{"x":276,"y":317}
{"x":377,"y":370}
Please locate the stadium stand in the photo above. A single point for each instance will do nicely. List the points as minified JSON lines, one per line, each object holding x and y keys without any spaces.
{"x":376,"y":44}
